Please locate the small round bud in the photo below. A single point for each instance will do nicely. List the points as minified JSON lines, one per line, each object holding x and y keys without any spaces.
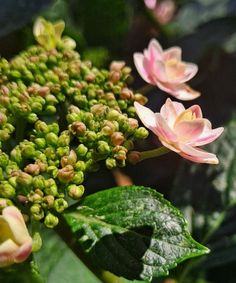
{"x":52,"y":139}
{"x":66,"y":174}
{"x":39,"y":182}
{"x":32,"y":169}
{"x":70,"y":159}
{"x":117,"y":138}
{"x":51,"y":220}
{"x":40,"y":142}
{"x":134,"y":157}
{"x":37,"y":212}
{"x":78,"y":128}
{"x":48,"y":201}
{"x":60,"y":205}
{"x":140,"y":98}
{"x":23,"y":179}
{"x":50,"y":187}
{"x":78,"y":178}
{"x":81,"y":150}
{"x":80,"y":166}
{"x":126,"y":93}
{"x":110,"y":163}
{"x":75,"y":192}
{"x":37,"y":242}
{"x":141,"y":133}
{"x":103,"y":148}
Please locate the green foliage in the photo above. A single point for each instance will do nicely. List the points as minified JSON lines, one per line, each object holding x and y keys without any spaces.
{"x":111,"y":224}
{"x":209,"y":203}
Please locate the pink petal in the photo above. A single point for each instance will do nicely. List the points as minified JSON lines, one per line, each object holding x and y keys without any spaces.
{"x":188,"y":131}
{"x":23,"y":252}
{"x":182,"y":91}
{"x":196,"y":109}
{"x":163,"y":130}
{"x":158,"y":71}
{"x":155,"y":50}
{"x":171,"y":110}
{"x":7,"y":251}
{"x":139,"y":64}
{"x":172,"y":53}
{"x":16,"y":223}
{"x":171,"y":146}
{"x":197,"y":155}
{"x":190,"y":72}
{"x":150,"y":3}
{"x":146,"y":115}
{"x":208,"y":136}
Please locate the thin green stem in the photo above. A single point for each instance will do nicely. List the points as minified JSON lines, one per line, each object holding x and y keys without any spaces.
{"x":153,"y":153}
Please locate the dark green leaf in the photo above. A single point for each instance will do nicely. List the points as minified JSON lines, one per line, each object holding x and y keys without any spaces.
{"x":26,"y":272}
{"x":133,"y":232}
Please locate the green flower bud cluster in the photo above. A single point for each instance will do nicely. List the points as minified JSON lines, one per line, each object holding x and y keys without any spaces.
{"x":60,"y":117}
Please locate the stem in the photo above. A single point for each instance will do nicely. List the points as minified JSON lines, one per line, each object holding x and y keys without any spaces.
{"x":67,"y":236}
{"x":145,"y":89}
{"x":153,"y":153}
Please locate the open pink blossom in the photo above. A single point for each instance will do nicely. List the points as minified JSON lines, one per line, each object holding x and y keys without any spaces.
{"x":165,"y":69}
{"x":15,"y":241}
{"x":164,"y":11}
{"x":181,"y":130}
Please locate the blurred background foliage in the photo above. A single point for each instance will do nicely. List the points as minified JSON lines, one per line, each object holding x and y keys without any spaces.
{"x":108,"y":30}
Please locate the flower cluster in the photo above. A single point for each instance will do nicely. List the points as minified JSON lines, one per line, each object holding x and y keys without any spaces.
{"x":60,"y":117}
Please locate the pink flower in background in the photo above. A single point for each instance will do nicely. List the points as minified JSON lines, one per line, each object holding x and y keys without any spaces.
{"x":15,"y":241}
{"x":150,"y":4}
{"x":164,"y":11}
{"x":165,"y":69}
{"x":181,"y":130}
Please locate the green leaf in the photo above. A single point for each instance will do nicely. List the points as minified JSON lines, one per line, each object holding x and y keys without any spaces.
{"x":133,"y":232}
{"x":26,"y":272}
{"x":59,"y":264}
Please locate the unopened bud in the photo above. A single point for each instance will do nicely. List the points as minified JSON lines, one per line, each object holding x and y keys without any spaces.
{"x":117,"y":65}
{"x":60,"y":205}
{"x":103,"y":148}
{"x":81,"y":150}
{"x":110,"y":163}
{"x":37,"y":242}
{"x":134,"y":157}
{"x":70,"y":159}
{"x":99,"y":109}
{"x":48,"y":201}
{"x":80,"y":166}
{"x":78,"y":128}
{"x":66,"y":174}
{"x":32,"y":169}
{"x":37,"y":211}
{"x":75,"y":192}
{"x":126,"y":94}
{"x":4,"y":202}
{"x":117,"y":138}
{"x":52,"y":139}
{"x":141,"y":133}
{"x":51,"y":220}
{"x":78,"y":178}
{"x":140,"y":98}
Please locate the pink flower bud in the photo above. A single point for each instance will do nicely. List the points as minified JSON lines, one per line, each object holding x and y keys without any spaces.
{"x":15,"y":241}
{"x":165,"y":69}
{"x":181,"y":130}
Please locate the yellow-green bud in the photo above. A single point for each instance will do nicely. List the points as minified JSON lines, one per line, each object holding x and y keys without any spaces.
{"x":75,"y":192}
{"x":60,"y":205}
{"x":37,"y":211}
{"x":78,"y":178}
{"x":141,"y":133}
{"x":51,"y":220}
{"x":52,"y":139}
{"x":80,"y":166}
{"x":81,"y":150}
{"x":110,"y":163}
{"x":37,"y":242}
{"x":51,"y":187}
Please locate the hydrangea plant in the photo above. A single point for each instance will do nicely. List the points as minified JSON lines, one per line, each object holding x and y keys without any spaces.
{"x":61,"y":118}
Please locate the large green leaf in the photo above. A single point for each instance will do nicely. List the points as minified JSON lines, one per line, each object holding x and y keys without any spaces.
{"x":133,"y":232}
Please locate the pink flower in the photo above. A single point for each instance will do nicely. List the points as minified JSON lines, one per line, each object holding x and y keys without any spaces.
{"x":165,"y":69}
{"x":181,"y":130}
{"x":150,"y":4}
{"x":15,"y":241}
{"x":164,"y":11}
